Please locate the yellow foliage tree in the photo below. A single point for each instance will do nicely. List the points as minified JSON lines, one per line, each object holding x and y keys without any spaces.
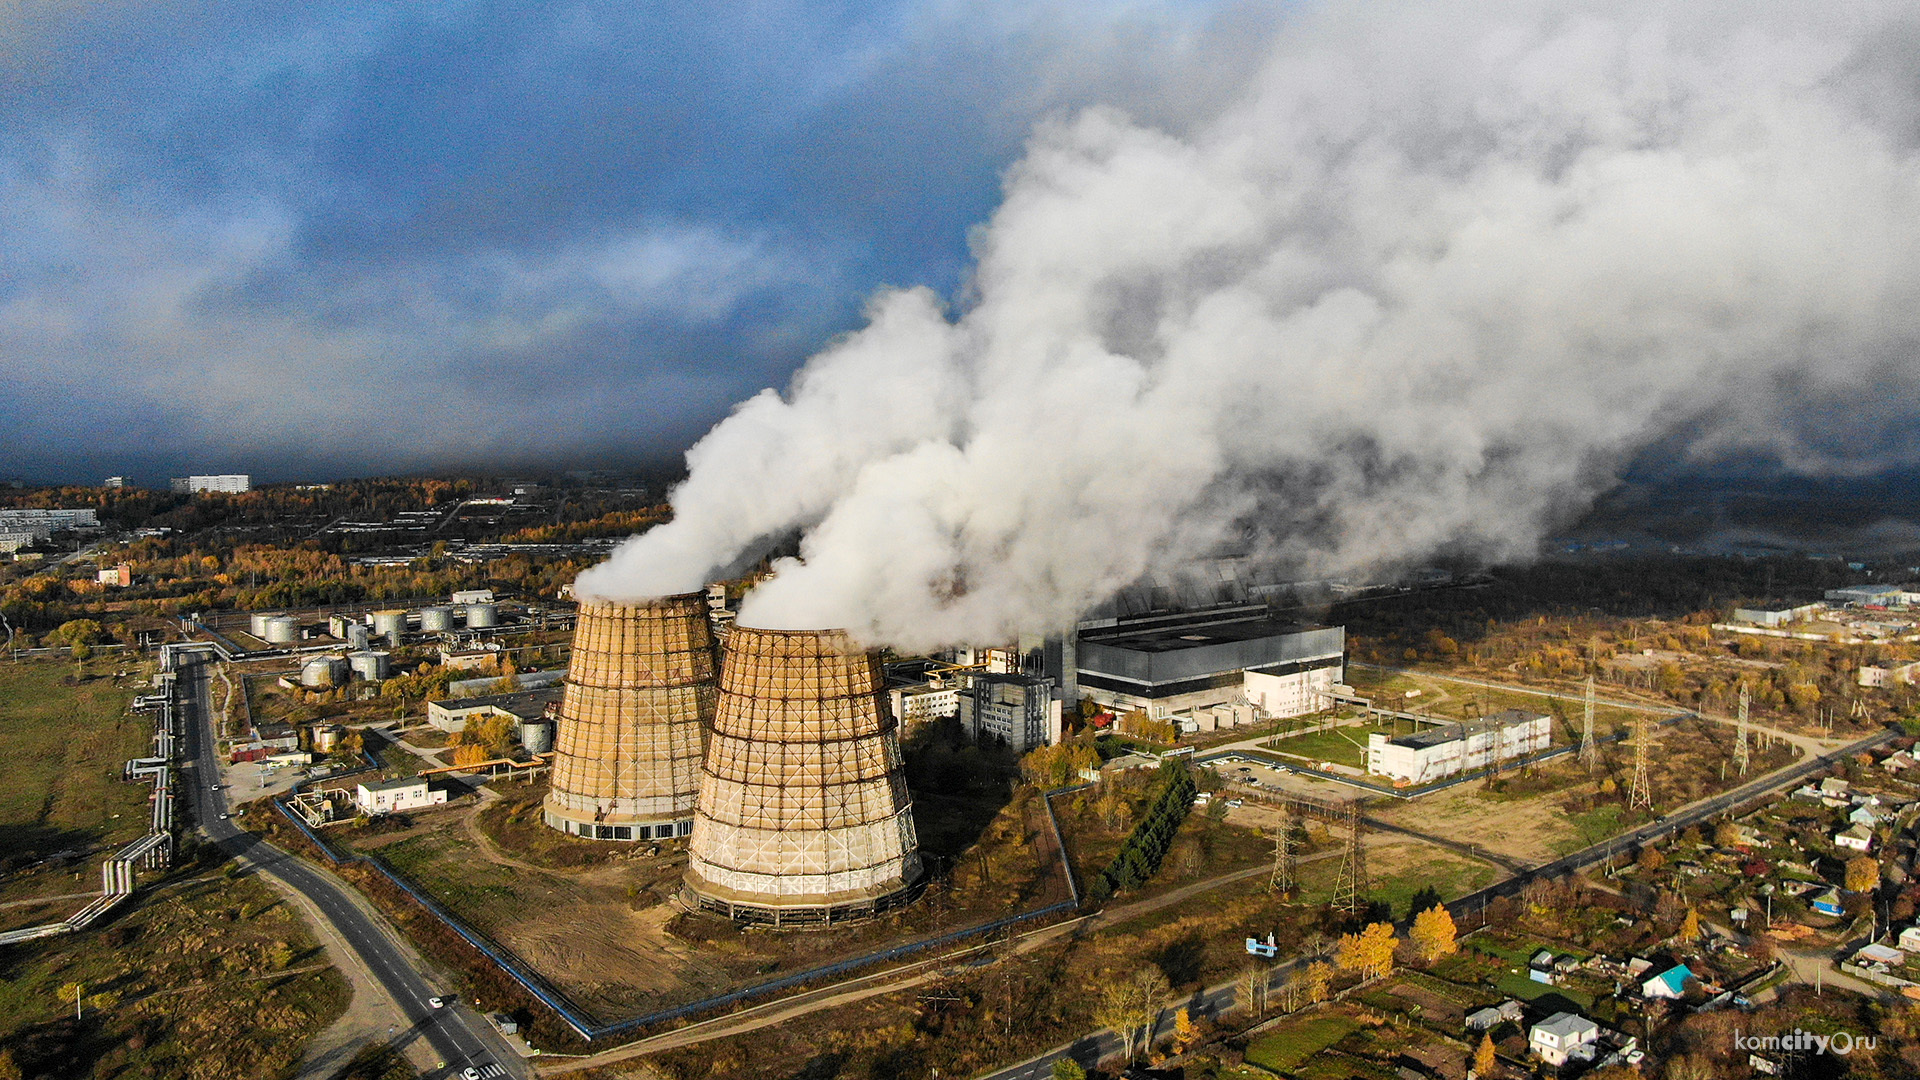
{"x":1863,"y":874}
{"x":1185,"y":1033}
{"x":1318,"y":981}
{"x":1369,"y":952}
{"x":1483,"y":1057}
{"x":1690,"y":926}
{"x":470,"y":754}
{"x":1434,"y":934}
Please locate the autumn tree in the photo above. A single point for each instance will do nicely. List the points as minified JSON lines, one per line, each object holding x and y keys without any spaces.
{"x":1369,"y":952}
{"x":467,"y":754}
{"x":1127,"y":1005}
{"x":1650,"y":858}
{"x":1863,"y":874}
{"x":1483,"y":1056}
{"x":1068,"y":1069}
{"x":1433,"y":934}
{"x":1185,"y":1032}
{"x":1690,"y":926}
{"x":1318,"y":981}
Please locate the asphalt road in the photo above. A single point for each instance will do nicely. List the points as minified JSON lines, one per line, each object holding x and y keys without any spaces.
{"x":458,"y":1036}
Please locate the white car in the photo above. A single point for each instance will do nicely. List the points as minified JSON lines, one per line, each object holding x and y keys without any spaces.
{"x":437,"y":1002}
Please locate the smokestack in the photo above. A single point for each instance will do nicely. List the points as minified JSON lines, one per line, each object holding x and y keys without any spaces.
{"x":639,"y":692}
{"x":803,"y":814}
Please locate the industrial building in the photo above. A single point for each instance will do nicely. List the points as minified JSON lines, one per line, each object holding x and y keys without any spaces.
{"x":1873,"y":596}
{"x":524,"y":709}
{"x":1166,"y":663}
{"x":804,"y":816}
{"x":227,"y":483}
{"x":1778,"y":613}
{"x":393,"y":796}
{"x":639,"y":691}
{"x":1440,"y":752}
{"x":1019,"y":710}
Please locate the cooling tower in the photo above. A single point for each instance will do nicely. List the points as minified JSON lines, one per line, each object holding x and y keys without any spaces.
{"x":804,"y":816}
{"x":639,"y":692}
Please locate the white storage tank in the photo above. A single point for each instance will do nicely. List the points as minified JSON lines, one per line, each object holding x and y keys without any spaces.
{"x":483,"y":615}
{"x":371,"y":666}
{"x":282,"y":630}
{"x":537,"y":736}
{"x":324,"y":671}
{"x":390,"y":622}
{"x":358,"y":637}
{"x":435,"y":619}
{"x":326,"y":737}
{"x":257,"y":622}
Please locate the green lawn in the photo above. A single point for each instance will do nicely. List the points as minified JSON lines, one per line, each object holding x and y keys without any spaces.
{"x":1347,"y":746}
{"x":1290,"y":1044}
{"x":60,"y":783}
{"x":1519,"y":986}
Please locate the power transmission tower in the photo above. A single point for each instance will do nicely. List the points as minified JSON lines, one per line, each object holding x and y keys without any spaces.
{"x":1589,"y":753}
{"x":1286,"y":862}
{"x":1350,"y":888}
{"x":1641,"y":794}
{"x":1740,"y":735}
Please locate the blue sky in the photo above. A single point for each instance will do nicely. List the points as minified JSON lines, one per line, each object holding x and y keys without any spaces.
{"x":312,"y":240}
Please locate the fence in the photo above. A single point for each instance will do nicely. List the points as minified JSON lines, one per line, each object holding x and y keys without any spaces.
{"x":588,"y":1029}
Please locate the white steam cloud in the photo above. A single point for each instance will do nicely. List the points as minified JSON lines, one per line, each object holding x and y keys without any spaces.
{"x":1424,"y":285}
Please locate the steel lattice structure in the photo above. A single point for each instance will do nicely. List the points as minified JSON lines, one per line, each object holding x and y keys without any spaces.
{"x":803,"y":815}
{"x":640,"y":692}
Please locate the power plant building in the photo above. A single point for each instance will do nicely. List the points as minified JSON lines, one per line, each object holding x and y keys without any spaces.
{"x":1178,"y":662}
{"x":1437,"y":753}
{"x":1019,"y":710}
{"x":639,"y":691}
{"x":804,"y":816}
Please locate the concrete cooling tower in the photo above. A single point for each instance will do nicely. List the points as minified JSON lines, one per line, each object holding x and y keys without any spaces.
{"x":804,"y":817}
{"x":639,"y":692}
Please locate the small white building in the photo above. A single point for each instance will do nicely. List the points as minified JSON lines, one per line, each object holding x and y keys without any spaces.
{"x":1910,"y":939}
{"x":472,"y":596}
{"x":1437,"y":753}
{"x":393,"y":796}
{"x":1559,"y":1037}
{"x":1776,"y":614}
{"x":1856,"y":838}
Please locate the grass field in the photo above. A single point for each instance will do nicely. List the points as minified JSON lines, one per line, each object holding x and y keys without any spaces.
{"x":1347,"y":746}
{"x":211,"y":977}
{"x":1287,"y":1045}
{"x":60,"y":785}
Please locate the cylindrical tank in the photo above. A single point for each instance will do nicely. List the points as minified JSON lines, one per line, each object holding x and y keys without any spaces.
{"x":326,"y":738}
{"x":371,"y":666}
{"x":537,"y":736}
{"x":324,"y":671}
{"x":389,"y":623}
{"x":482,"y":615}
{"x":282,"y":630}
{"x":257,"y":622}
{"x":639,"y":692}
{"x":358,"y":637}
{"x":803,"y":815}
{"x":435,"y":619}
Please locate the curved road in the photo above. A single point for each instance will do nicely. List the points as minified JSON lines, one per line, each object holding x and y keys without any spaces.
{"x":458,"y":1037}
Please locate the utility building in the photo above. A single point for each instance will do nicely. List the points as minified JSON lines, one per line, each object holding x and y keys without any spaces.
{"x":1237,"y":654}
{"x":1440,"y":752}
{"x":1020,"y":710}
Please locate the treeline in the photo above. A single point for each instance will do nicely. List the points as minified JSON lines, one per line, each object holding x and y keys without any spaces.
{"x":1139,"y":857}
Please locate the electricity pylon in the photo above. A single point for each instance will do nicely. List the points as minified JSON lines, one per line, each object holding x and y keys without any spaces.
{"x":1350,"y":888}
{"x":1286,"y":862}
{"x":1740,"y":735}
{"x":1641,"y":793}
{"x":1589,"y":752}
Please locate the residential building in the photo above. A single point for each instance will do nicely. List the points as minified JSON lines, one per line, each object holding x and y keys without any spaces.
{"x":1669,"y":984}
{"x":1440,"y":752}
{"x":1910,"y":939}
{"x":1559,"y":1038}
{"x":227,"y":483}
{"x":44,"y":523}
{"x":1826,"y":902}
{"x":114,"y":482}
{"x":393,"y":796}
{"x":118,"y":577}
{"x":1857,"y":838}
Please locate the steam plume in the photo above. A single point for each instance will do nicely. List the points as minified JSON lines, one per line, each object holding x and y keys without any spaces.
{"x":1425,"y":284}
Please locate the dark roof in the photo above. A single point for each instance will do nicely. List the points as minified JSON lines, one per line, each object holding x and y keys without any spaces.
{"x":525,"y":704}
{"x":1420,"y":740}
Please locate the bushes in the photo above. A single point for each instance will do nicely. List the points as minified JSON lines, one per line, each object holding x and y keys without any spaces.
{"x":1139,"y":857}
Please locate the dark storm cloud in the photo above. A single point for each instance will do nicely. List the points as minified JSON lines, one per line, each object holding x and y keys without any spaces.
{"x":334,"y":237}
